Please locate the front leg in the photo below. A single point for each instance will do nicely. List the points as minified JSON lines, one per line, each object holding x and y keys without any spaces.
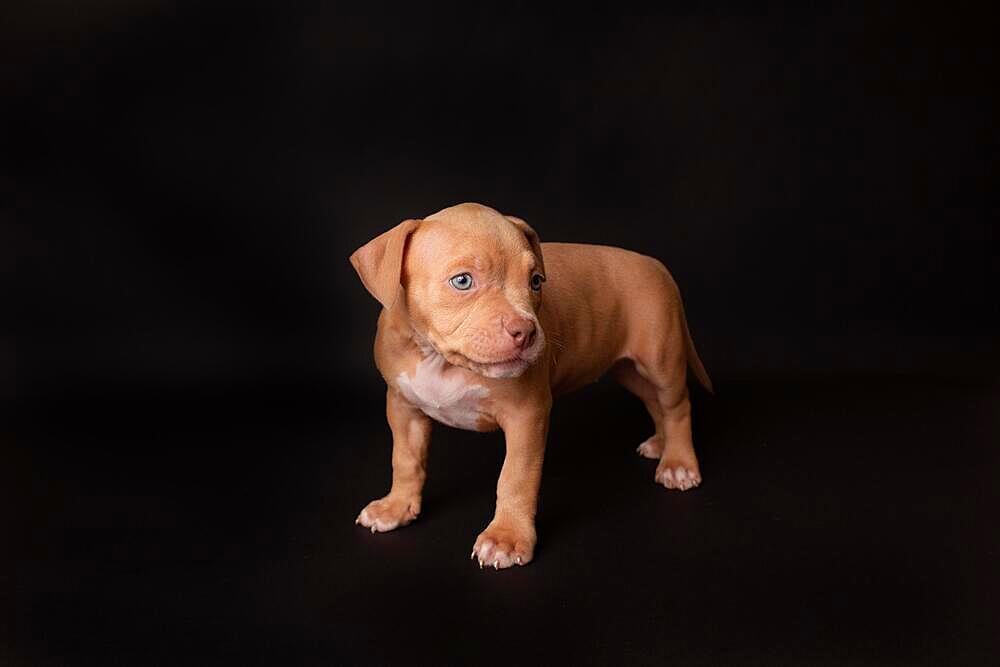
{"x":411,"y":435}
{"x":510,"y":537}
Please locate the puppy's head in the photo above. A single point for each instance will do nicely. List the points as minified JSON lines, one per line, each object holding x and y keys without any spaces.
{"x":471,"y":280}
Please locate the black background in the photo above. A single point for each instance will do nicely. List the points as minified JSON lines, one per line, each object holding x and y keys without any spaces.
{"x":187,"y":350}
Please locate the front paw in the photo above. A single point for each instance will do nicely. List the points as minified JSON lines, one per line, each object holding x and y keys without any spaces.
{"x":388,"y":513}
{"x":503,"y":544}
{"x":675,"y":474}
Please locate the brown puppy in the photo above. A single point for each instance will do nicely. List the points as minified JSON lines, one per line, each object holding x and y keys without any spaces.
{"x":482,"y":324}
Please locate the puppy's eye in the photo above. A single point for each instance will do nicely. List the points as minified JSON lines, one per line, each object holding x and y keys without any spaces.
{"x":536,"y":281}
{"x":462,"y":281}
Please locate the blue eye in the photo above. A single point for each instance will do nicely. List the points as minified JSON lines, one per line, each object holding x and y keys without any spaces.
{"x":536,"y":281}
{"x":462,"y":281}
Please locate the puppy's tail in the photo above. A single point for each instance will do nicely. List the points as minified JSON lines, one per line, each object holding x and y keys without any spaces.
{"x":692,"y":358}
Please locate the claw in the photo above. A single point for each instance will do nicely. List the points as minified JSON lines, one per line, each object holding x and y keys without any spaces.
{"x":518,"y":560}
{"x":373,"y":529}
{"x":473,"y":554}
{"x":496,"y":565}
{"x":480,"y":563}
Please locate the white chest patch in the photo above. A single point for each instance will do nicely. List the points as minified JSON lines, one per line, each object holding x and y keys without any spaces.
{"x":442,"y":392}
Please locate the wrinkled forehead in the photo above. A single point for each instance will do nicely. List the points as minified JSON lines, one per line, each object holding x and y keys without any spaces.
{"x":489,"y":244}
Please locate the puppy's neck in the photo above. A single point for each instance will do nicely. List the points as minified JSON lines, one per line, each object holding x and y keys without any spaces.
{"x":425,"y":346}
{"x":397,"y":321}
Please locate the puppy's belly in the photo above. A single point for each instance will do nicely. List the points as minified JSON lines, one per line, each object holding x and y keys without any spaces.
{"x":443,"y":393}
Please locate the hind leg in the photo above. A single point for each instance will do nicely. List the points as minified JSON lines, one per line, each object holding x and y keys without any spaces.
{"x":625,"y":374}
{"x":678,"y":466}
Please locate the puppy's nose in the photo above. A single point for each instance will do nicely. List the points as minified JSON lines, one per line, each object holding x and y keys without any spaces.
{"x":521,"y":329}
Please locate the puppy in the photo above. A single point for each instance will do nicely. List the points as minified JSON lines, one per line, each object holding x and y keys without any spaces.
{"x":482,"y":325}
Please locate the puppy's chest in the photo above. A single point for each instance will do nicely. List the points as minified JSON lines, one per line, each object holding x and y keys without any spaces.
{"x":444,"y":393}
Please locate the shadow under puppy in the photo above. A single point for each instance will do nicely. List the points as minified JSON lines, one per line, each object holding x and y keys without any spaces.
{"x":482,"y":325}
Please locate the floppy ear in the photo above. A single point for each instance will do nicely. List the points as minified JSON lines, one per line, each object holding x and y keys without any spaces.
{"x":536,"y":245}
{"x":379,"y":262}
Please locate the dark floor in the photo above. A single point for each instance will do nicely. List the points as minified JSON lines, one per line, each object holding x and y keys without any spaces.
{"x":842,"y":521}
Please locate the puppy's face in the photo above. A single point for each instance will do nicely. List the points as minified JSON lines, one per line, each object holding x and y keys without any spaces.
{"x":472,"y":282}
{"x":473,"y":286}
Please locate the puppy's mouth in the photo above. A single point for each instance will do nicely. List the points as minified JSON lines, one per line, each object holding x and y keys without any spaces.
{"x":509,"y":367}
